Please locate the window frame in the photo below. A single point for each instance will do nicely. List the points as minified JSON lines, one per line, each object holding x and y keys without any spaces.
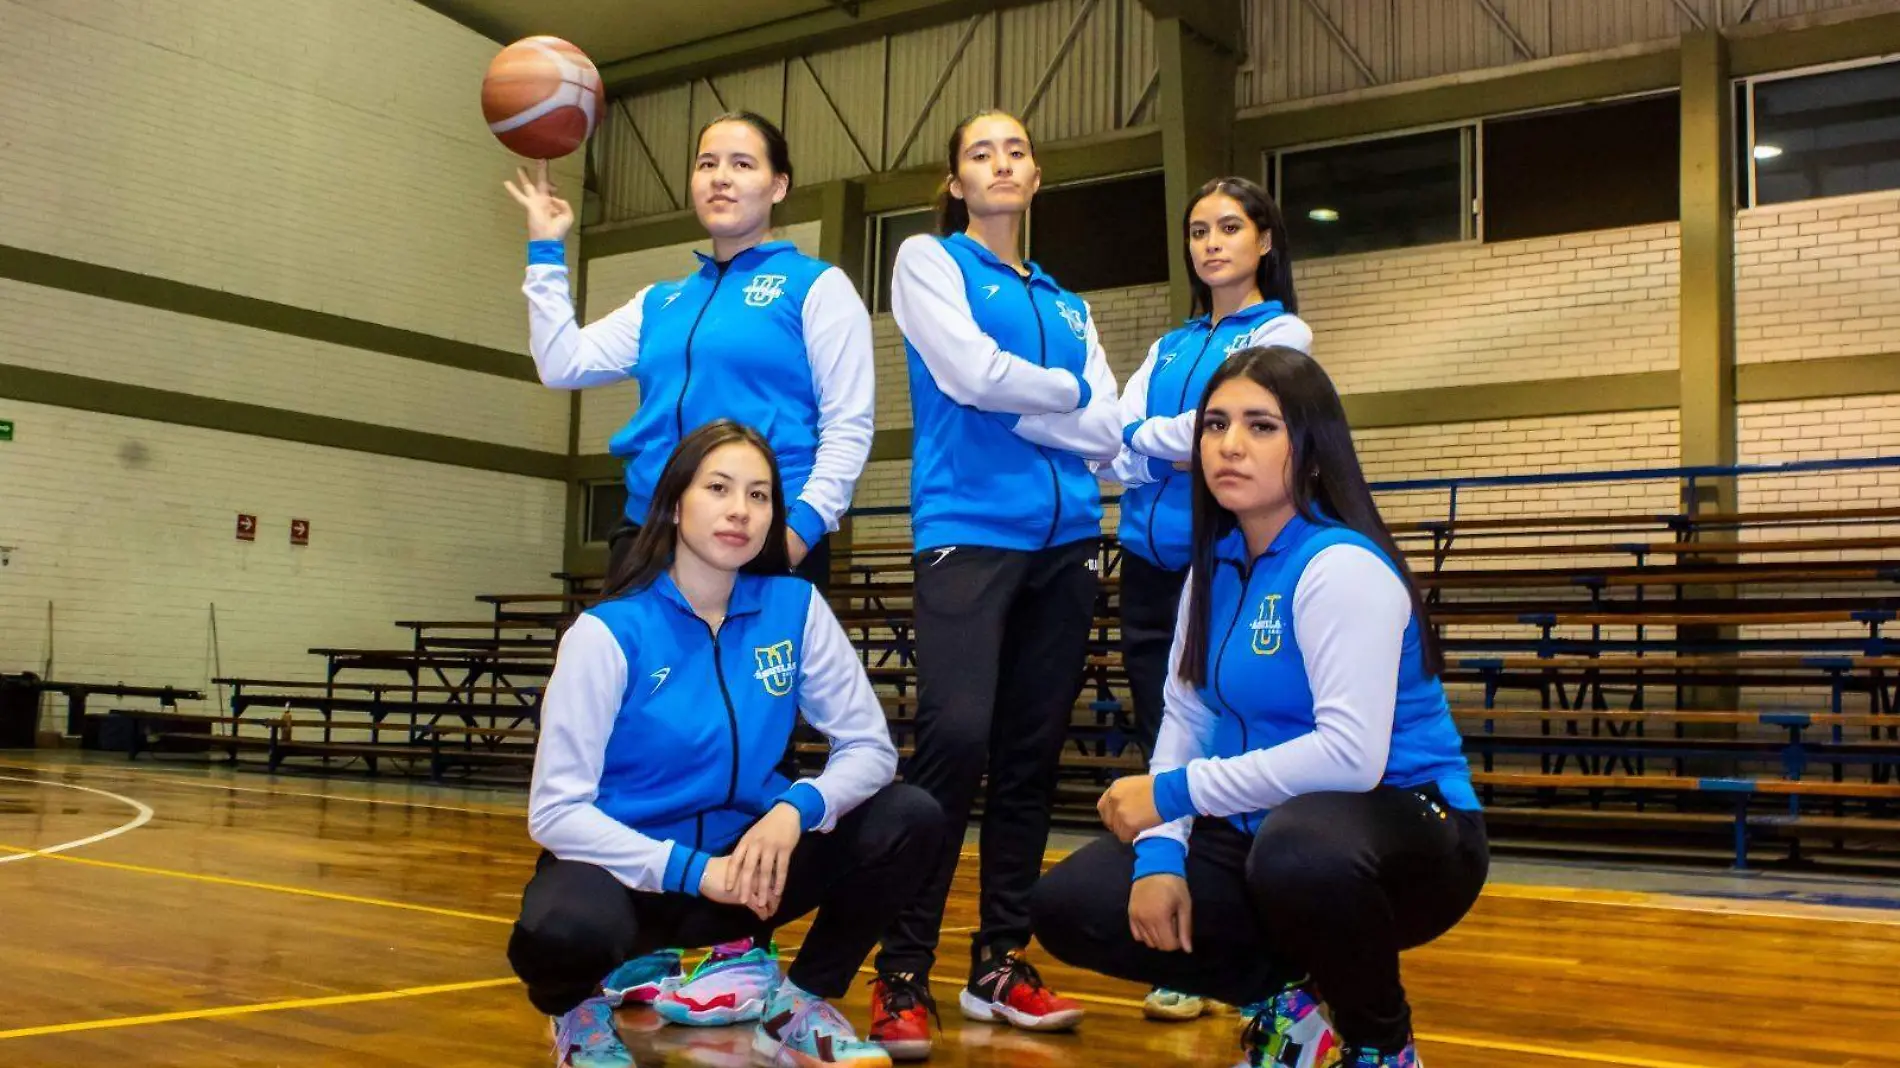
{"x":1746,"y":188}
{"x":1470,"y":181}
{"x":588,"y":488}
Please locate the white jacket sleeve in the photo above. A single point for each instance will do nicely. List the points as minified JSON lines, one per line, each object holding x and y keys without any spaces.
{"x":835,"y":696}
{"x":838,"y":343}
{"x":568,"y":355}
{"x":1131,"y":468}
{"x":1093,"y":433}
{"x":1171,"y":437}
{"x":1187,"y":724}
{"x":1350,"y":611}
{"x":933,"y":310}
{"x":577,"y":715}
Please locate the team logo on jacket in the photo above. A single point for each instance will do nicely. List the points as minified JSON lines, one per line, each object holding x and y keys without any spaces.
{"x":764,"y":289}
{"x":1241,"y":342}
{"x":777,"y":669}
{"x":1268,"y":627}
{"x":1077,"y":319}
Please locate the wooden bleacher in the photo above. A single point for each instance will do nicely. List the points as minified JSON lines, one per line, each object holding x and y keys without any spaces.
{"x":1606,"y":621}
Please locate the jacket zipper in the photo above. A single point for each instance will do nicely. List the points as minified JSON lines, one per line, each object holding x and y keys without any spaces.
{"x":1162,"y":488}
{"x":1220,"y":658}
{"x":1042,"y":357}
{"x":679,"y":410}
{"x":732,"y":716}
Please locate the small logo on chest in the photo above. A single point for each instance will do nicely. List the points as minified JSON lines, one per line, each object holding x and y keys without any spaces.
{"x":764,"y":289}
{"x":1077,"y":319}
{"x":777,"y":669}
{"x":1241,"y":342}
{"x":1268,"y":627}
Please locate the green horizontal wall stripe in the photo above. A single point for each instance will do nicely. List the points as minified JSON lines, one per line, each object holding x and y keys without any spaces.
{"x":1837,"y":376}
{"x":35,"y":386}
{"x":1647,"y":391}
{"x":1569,"y":83}
{"x":1808,"y":46}
{"x":130,"y":287}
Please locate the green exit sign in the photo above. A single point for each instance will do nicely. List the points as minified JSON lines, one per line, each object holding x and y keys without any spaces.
{"x":6,"y":430}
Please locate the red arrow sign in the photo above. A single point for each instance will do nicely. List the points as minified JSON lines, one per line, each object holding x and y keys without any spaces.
{"x":246,"y":527}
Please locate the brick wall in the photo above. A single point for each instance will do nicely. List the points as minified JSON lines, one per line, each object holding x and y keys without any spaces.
{"x":1556,"y":307}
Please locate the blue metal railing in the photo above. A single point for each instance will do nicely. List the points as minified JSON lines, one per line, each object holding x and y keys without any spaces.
{"x":1689,"y":476}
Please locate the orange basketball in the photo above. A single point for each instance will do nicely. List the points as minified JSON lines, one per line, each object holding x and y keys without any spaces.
{"x":542,"y":97}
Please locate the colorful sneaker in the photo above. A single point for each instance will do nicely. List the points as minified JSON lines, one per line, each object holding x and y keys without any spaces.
{"x":723,"y":990}
{"x":1289,"y":1030}
{"x":1012,"y":992}
{"x":585,"y":1038}
{"x":642,"y":980}
{"x":901,"y":1010}
{"x":1405,"y":1058}
{"x":803,"y":1030}
{"x":1172,"y":1005}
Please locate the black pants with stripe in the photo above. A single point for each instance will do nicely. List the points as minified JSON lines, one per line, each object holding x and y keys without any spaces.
{"x":1333,"y":886}
{"x":1150,"y":597}
{"x":1001,"y":639}
{"x":578,"y":923}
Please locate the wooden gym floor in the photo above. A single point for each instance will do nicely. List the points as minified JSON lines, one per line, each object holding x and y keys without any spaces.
{"x":174,"y":914}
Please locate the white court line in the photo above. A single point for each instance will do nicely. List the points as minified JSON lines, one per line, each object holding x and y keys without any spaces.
{"x":144,"y":816}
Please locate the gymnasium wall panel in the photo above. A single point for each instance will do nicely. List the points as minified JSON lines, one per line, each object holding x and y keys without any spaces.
{"x":70,"y":333}
{"x":1596,"y":303}
{"x":126,"y":528}
{"x":327,"y":155}
{"x":1817,"y":279}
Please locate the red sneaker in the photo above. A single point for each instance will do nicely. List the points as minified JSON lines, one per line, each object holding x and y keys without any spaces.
{"x":901,"y":1008}
{"x":1011,"y":992}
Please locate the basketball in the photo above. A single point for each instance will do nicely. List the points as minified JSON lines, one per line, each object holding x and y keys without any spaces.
{"x":542,"y":97}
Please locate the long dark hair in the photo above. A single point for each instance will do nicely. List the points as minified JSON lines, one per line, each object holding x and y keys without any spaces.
{"x":1325,"y":481}
{"x":778,"y":152}
{"x":1274,"y":275}
{"x":653,"y":548}
{"x":953,"y":213}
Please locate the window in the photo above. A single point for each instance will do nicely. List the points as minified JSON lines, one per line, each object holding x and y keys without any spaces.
{"x":1823,"y":135}
{"x":887,"y":233}
{"x":1586,"y":168}
{"x":1394,"y":192}
{"x":1103,"y":235}
{"x":606,"y":505}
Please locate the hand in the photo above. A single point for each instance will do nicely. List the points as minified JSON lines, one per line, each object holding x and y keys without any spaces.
{"x":548,"y":215}
{"x":1161,"y":913}
{"x":715,"y":882}
{"x":796,"y":547}
{"x":1128,"y":807}
{"x":760,"y":860}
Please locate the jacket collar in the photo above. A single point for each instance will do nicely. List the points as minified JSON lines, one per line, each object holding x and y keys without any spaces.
{"x":747,"y":595}
{"x":1251,"y":315}
{"x":1232,"y":548}
{"x":746,"y":258}
{"x":977,"y":249}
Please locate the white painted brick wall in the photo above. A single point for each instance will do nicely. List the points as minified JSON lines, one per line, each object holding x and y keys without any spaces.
{"x":1546,"y":445}
{"x":1828,"y":428}
{"x":328,"y":155}
{"x":1555,"y":307}
{"x":126,"y":527}
{"x":611,"y":282}
{"x":1817,"y":279}
{"x":71,"y":333}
